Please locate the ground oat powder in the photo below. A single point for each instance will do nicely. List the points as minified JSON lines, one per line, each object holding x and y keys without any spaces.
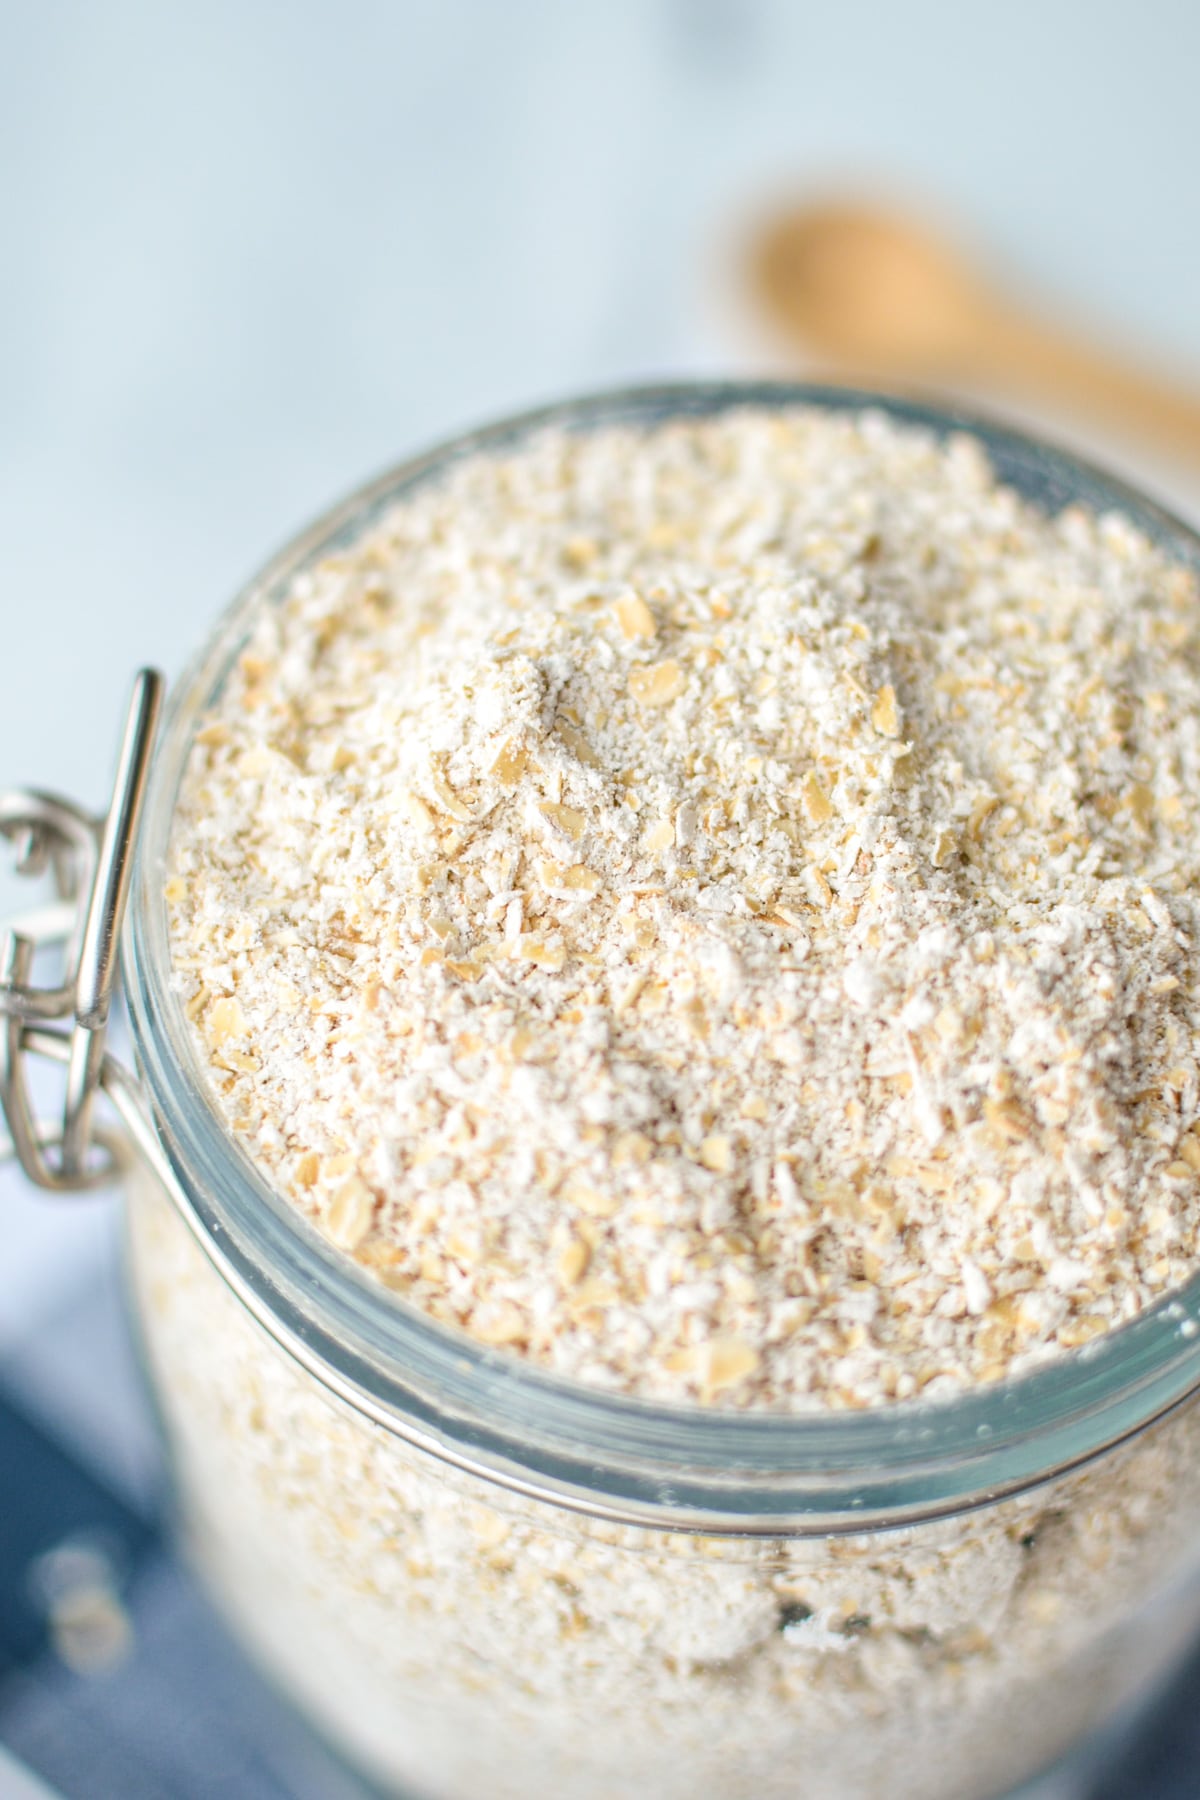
{"x":710,"y":909}
{"x":707,"y":908}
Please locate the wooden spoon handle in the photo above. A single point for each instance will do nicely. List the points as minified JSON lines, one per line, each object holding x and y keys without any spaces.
{"x":1090,"y":380}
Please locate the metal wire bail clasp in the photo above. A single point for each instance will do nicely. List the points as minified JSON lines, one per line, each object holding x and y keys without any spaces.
{"x":92,"y":861}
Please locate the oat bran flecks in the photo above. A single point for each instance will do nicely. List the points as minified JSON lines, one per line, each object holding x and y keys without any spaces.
{"x":708,"y":908}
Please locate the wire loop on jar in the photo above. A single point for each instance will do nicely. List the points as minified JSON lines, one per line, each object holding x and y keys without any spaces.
{"x":67,"y":1020}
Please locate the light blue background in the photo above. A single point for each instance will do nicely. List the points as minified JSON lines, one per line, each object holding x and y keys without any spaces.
{"x":253,"y":252}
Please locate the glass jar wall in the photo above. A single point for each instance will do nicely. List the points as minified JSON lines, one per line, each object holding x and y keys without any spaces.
{"x":483,"y":1580}
{"x":458,"y":1639}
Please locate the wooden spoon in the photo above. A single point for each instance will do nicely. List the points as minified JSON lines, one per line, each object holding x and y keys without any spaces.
{"x":889,"y":299}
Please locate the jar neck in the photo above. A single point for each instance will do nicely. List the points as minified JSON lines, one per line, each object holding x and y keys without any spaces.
{"x":671,"y":1467}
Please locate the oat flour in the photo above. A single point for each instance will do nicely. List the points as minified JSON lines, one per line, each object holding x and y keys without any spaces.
{"x":710,"y":908}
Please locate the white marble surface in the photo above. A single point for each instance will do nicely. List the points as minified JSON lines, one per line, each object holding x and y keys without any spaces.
{"x":251,"y":253}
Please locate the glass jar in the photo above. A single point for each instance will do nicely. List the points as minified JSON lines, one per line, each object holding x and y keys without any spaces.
{"x":479,"y":1579}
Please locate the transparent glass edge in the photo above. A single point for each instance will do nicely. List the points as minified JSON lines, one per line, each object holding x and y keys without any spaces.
{"x":432,"y":1381}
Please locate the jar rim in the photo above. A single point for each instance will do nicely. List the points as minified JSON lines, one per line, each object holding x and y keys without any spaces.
{"x":613,"y":1454}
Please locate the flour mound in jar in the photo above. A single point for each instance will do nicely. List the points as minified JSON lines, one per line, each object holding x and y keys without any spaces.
{"x":708,"y":908}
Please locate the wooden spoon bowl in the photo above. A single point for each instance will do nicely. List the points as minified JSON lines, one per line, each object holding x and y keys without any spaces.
{"x":883,"y":296}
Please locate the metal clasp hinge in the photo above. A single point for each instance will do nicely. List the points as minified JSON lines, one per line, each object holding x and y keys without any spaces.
{"x":92,"y":861}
